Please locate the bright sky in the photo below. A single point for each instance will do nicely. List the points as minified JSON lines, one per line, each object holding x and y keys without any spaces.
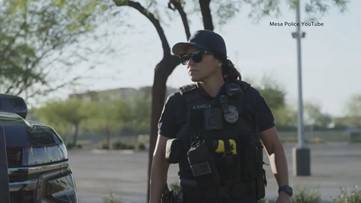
{"x":331,"y":55}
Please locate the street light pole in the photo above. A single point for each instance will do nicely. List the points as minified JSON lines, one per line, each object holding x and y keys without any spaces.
{"x":301,"y":154}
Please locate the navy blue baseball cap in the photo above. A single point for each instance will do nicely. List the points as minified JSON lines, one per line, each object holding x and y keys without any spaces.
{"x":205,"y":40}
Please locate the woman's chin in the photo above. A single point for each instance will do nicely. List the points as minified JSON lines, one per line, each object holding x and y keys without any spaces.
{"x":194,"y":79}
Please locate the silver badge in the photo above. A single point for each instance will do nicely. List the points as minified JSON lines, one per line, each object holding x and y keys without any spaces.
{"x":231,"y":115}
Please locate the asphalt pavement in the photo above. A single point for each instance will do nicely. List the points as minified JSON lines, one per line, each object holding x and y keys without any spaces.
{"x":100,"y":173}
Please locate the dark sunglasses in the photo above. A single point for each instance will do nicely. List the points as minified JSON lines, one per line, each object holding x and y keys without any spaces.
{"x":196,"y":56}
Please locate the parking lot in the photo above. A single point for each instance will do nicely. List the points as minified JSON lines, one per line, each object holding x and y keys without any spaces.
{"x":98,"y":173}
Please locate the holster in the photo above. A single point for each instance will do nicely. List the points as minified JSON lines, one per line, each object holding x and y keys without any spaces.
{"x":261,"y":184}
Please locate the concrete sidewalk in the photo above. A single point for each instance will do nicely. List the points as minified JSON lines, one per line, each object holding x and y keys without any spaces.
{"x":98,"y":173}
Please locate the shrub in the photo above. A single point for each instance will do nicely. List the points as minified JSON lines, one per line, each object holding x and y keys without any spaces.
{"x":355,"y":137}
{"x":111,"y":198}
{"x":105,"y":146}
{"x":343,"y":197}
{"x":141,"y":146}
{"x":122,"y":145}
{"x":304,"y":195}
{"x":71,"y":146}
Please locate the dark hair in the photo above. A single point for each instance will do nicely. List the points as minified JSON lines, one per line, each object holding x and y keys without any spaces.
{"x":230,"y":73}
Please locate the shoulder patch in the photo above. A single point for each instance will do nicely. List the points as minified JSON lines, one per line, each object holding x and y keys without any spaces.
{"x":187,"y":88}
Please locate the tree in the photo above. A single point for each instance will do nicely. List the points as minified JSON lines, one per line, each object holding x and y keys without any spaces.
{"x":39,"y":37}
{"x":59,"y":113}
{"x":223,"y":10}
{"x":107,"y":117}
{"x":315,"y":117}
{"x":45,"y":115}
{"x":275,"y":96}
{"x":353,"y":110}
{"x":141,"y":112}
{"x":285,"y":118}
{"x":272,"y":93}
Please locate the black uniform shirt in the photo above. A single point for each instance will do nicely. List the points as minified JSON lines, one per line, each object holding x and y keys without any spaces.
{"x":255,"y":110}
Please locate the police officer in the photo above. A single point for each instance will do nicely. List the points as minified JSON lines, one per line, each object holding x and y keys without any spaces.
{"x":211,"y":116}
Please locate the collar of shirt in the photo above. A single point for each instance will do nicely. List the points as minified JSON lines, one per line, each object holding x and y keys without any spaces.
{"x":204,"y":93}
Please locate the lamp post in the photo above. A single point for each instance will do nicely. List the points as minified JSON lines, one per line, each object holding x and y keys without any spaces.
{"x":300,"y":153}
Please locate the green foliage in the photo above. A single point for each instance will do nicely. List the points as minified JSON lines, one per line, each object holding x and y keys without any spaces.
{"x":141,"y":146}
{"x":314,"y":116}
{"x":353,"y":110}
{"x":64,"y":116}
{"x":111,"y":198}
{"x":355,"y":137}
{"x":285,"y":117}
{"x":274,"y":96}
{"x":107,"y":117}
{"x":345,"y":197}
{"x":105,"y":114}
{"x":262,"y":8}
{"x":226,"y":10}
{"x":122,"y":145}
{"x":306,"y":195}
{"x":71,"y":111}
{"x":272,"y":92}
{"x":316,"y":8}
{"x":35,"y":35}
{"x":71,"y":146}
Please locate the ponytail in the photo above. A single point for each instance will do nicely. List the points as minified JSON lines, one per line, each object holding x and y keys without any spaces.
{"x":230,"y":73}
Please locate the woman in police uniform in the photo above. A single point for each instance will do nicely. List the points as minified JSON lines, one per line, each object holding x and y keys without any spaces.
{"x":206,"y":58}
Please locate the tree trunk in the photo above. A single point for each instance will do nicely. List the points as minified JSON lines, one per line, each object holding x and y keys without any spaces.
{"x":162,"y":71}
{"x":75,"y":137}
{"x":109,"y":144}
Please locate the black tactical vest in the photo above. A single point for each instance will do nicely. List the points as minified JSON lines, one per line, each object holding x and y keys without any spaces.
{"x":223,"y":153}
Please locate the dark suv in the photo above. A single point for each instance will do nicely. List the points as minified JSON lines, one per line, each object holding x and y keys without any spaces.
{"x":38,"y":168}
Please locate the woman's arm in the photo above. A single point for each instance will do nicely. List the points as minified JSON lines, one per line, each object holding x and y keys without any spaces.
{"x":277,"y":160}
{"x":159,"y":170}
